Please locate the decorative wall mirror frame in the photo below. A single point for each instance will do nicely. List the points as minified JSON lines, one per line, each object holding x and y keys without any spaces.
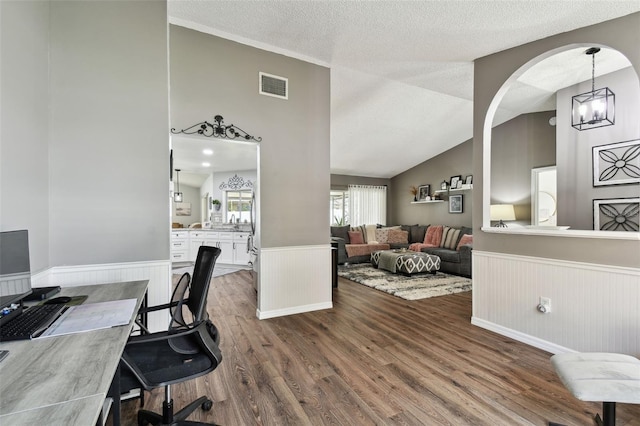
{"x":553,"y":57}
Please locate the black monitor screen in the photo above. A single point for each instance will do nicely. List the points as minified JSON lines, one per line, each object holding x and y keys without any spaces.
{"x":15,"y":271}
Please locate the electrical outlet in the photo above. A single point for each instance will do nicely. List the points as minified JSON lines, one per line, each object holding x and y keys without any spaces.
{"x":545,"y":305}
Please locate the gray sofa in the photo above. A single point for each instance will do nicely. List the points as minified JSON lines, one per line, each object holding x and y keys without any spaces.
{"x":456,"y":262}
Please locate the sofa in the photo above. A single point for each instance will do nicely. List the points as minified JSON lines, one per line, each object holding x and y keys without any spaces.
{"x":452,"y":245}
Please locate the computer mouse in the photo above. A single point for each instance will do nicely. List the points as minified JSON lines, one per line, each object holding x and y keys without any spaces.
{"x":58,"y":300}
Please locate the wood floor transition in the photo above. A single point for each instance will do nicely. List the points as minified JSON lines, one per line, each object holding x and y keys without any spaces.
{"x":373,"y":359}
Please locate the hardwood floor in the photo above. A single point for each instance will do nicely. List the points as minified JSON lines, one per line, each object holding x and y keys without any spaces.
{"x":373,"y":359}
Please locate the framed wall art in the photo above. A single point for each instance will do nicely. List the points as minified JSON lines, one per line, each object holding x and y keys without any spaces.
{"x":455,"y":204}
{"x":616,"y":214}
{"x":616,"y":163}
{"x":423,"y":192}
{"x":453,"y":183}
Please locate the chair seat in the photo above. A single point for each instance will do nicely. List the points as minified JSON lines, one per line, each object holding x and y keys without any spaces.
{"x":600,"y":377}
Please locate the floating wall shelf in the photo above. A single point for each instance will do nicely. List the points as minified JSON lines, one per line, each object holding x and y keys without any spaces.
{"x":427,"y":201}
{"x":464,"y":188}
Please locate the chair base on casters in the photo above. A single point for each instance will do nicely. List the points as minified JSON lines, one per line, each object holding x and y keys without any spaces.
{"x":168,"y":417}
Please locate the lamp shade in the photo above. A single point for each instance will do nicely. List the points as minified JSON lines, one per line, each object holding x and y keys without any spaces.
{"x":502,"y":212}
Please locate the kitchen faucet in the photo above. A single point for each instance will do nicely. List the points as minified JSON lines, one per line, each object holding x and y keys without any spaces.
{"x":233,"y":217}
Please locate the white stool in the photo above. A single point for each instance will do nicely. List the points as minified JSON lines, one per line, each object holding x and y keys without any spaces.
{"x":601,"y":377}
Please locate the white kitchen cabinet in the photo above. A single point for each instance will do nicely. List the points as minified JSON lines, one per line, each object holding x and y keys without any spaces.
{"x":241,"y":255}
{"x":185,"y":245}
{"x":179,"y":246}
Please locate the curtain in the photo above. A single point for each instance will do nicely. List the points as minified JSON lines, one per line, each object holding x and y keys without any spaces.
{"x":367,"y":205}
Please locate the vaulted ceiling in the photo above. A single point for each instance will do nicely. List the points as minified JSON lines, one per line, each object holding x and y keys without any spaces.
{"x":402,"y":71}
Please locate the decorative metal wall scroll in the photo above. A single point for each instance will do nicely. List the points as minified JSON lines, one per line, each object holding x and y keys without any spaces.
{"x":236,"y":182}
{"x":616,"y":163}
{"x":616,"y":214}
{"x":217,"y":130}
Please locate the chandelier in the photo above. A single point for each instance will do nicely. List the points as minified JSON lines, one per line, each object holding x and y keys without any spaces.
{"x":595,"y":108}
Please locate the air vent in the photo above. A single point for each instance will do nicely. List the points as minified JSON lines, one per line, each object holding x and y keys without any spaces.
{"x":272,"y":85}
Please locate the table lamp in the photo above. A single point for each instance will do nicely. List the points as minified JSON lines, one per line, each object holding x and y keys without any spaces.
{"x":502,"y":212}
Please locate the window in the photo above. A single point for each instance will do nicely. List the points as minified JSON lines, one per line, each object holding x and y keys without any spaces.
{"x":367,"y":204}
{"x":238,"y":206}
{"x":339,"y":208}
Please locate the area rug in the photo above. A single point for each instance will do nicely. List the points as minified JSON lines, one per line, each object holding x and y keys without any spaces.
{"x":418,"y":286}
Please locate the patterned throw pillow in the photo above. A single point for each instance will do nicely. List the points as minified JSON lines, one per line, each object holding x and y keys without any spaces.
{"x":356,"y":237}
{"x":466,"y":239}
{"x":449,"y":238}
{"x":382,"y":234}
{"x":397,"y":236}
{"x":433,"y":236}
{"x":361,"y":229}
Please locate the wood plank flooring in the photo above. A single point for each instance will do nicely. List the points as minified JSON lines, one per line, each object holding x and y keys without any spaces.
{"x":374,"y":359}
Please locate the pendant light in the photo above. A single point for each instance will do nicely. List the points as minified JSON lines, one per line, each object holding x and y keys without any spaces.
{"x":595,"y":108}
{"x":177,"y":195}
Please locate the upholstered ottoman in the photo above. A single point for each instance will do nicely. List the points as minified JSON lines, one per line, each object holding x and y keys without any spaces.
{"x":602,"y":377}
{"x":406,"y":262}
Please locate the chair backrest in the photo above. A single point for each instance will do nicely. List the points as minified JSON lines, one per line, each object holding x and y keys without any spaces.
{"x":179,"y":309}
{"x":202,"y":274}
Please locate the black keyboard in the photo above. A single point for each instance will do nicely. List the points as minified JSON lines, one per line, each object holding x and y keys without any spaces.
{"x":31,"y":322}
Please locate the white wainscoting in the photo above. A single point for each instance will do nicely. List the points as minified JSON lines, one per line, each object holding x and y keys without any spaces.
{"x":593,"y":307}
{"x":157,"y":272}
{"x":293,"y":280}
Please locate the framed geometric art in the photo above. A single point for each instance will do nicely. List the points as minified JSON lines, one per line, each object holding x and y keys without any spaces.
{"x":616,"y":163}
{"x":616,"y":214}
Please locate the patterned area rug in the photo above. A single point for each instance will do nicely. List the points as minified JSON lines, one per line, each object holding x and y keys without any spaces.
{"x":418,"y":286}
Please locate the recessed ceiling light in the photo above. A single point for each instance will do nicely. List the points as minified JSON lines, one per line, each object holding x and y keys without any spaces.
{"x":207,"y":151}
{"x":205,"y":164}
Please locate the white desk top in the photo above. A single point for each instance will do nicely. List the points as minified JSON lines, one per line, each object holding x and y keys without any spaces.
{"x":65,"y":377}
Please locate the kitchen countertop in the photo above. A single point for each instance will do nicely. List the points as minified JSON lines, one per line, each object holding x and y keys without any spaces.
{"x":223,"y":228}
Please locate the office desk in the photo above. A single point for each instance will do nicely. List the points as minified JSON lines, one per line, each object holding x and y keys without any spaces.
{"x":64,"y":380}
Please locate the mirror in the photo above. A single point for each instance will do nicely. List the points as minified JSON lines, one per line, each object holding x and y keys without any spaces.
{"x":205,"y":163}
{"x":531,"y":129}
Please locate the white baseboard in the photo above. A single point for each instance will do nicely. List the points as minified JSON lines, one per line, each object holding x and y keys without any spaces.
{"x":292,"y":311}
{"x":520,"y":337}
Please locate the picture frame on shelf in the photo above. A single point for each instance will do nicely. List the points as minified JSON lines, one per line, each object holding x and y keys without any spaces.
{"x":468,"y":180}
{"x":453,"y":183}
{"x":455,"y":204}
{"x":424,"y":191}
{"x":443,"y":185}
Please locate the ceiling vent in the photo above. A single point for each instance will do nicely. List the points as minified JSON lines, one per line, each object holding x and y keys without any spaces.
{"x":272,"y":85}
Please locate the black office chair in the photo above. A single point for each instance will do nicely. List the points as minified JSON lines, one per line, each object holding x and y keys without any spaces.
{"x":188,"y":349}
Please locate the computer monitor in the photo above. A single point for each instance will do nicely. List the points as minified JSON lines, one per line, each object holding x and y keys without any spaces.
{"x":15,"y":269}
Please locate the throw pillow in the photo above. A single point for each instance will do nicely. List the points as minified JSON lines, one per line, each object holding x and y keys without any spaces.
{"x":449,"y":238}
{"x":433,"y":236}
{"x":382,"y":234}
{"x":341,"y":232}
{"x":417,"y":232}
{"x":362,"y":231}
{"x":369,"y":234}
{"x":355,"y":237}
{"x":398,"y":236}
{"x":466,"y":239}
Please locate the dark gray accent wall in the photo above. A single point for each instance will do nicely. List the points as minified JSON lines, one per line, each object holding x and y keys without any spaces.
{"x":24,"y":113}
{"x":490,"y":74}
{"x":211,"y":75}
{"x":517,"y":146}
{"x":456,"y":161}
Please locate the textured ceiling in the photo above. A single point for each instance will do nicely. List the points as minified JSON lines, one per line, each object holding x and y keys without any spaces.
{"x":401,"y":71}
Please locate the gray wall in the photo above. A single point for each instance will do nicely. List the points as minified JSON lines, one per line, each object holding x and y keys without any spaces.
{"x":103,"y":155}
{"x":575,"y":162}
{"x":456,"y":161}
{"x":490,"y":74}
{"x":191,"y":195}
{"x":517,"y":146}
{"x":24,"y":113}
{"x":211,"y":75}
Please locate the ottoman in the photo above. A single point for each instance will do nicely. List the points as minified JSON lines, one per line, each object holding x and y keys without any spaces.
{"x":604,"y":377}
{"x":406,"y":262}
